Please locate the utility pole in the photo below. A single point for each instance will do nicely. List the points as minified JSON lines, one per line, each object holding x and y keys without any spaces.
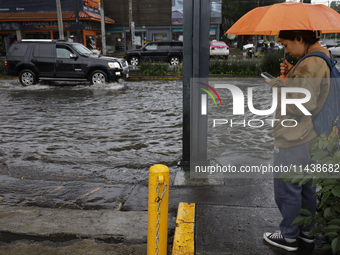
{"x":103,"y":27}
{"x":76,"y":13}
{"x":60,"y":21}
{"x":131,"y":23}
{"x":196,"y":26}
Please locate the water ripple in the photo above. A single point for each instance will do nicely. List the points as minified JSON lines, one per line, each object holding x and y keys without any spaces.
{"x":115,"y":130}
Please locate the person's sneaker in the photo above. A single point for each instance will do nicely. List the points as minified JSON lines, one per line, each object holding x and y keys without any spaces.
{"x":278,"y":240}
{"x":306,"y":238}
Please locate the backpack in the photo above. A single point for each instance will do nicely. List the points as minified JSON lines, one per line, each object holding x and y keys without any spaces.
{"x":328,"y":118}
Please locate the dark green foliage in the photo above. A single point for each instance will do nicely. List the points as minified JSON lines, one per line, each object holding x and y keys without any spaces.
{"x":149,"y":68}
{"x":335,"y":6}
{"x":177,"y":70}
{"x":271,"y":61}
{"x":232,"y":10}
{"x":326,"y":175}
{"x":235,"y":67}
{"x":2,"y":66}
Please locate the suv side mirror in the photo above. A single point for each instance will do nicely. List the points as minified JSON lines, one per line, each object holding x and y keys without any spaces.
{"x":73,"y":56}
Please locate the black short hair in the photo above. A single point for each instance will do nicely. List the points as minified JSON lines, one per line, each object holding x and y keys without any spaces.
{"x":310,"y":37}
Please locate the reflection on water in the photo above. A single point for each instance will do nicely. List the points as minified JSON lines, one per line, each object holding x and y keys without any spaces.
{"x":115,"y":131}
{"x":249,"y":133}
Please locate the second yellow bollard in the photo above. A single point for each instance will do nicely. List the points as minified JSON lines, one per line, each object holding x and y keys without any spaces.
{"x":158,"y":209}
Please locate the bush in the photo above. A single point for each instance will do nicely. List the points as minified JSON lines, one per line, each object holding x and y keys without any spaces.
{"x":326,"y":152}
{"x":271,"y":61}
{"x":149,"y":68}
{"x":239,"y":67}
{"x":2,"y":66}
{"x":178,"y":70}
{"x":245,"y":67}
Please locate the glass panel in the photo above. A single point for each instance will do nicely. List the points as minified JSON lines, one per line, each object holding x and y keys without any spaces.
{"x":18,"y":50}
{"x":63,"y":53}
{"x":43,"y":50}
{"x":151,"y":46}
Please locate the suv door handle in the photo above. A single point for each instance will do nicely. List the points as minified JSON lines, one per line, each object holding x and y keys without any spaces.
{"x":34,"y":60}
{"x":59,"y":61}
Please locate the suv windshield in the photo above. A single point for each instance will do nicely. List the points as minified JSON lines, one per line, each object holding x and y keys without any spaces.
{"x":81,"y":49}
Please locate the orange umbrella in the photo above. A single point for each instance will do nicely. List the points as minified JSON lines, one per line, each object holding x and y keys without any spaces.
{"x":269,"y":20}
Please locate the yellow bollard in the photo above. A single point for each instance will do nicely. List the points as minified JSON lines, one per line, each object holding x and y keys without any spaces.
{"x":158,"y":209}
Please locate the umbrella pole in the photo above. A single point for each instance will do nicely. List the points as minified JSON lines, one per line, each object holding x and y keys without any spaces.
{"x":255,"y":44}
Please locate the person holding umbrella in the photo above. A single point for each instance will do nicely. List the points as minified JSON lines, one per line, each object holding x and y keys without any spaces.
{"x":291,"y":144}
{"x":299,"y":27}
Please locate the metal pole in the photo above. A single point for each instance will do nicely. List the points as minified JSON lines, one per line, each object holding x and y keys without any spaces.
{"x":103,"y":27}
{"x":76,"y":13}
{"x":130,"y":20}
{"x":196,"y":27}
{"x":60,"y":21}
{"x":187,"y":74}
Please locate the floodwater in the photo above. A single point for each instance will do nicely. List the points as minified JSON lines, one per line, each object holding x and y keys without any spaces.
{"x":108,"y":134}
{"x":116,"y":130}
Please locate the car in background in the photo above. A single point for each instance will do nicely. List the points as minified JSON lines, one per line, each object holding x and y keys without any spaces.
{"x":275,"y":46}
{"x":335,"y":50}
{"x":323,"y":44}
{"x":219,"y":48}
{"x":168,"y":51}
{"x":57,"y":60}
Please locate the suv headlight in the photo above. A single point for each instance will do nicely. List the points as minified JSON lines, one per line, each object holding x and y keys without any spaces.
{"x":114,"y":65}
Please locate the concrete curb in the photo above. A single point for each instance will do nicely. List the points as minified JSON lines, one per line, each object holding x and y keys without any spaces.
{"x":104,"y":225}
{"x":153,"y":78}
{"x":184,"y":232}
{"x":9,"y":77}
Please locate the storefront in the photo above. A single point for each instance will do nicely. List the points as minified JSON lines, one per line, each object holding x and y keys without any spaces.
{"x":118,"y":40}
{"x":18,"y":21}
{"x":152,"y":20}
{"x":7,"y":36}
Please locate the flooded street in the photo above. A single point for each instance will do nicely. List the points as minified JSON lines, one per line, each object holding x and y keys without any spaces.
{"x":81,"y":146}
{"x":116,"y":131}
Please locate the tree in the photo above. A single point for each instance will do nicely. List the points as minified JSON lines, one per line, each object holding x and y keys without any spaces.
{"x":232,"y":10}
{"x":335,"y":6}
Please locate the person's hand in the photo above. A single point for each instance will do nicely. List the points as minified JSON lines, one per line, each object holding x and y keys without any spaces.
{"x":285,"y":67}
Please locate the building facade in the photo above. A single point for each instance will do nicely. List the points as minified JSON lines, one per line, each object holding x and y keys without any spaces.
{"x":38,"y":19}
{"x":129,"y":23}
{"x":153,"y":20}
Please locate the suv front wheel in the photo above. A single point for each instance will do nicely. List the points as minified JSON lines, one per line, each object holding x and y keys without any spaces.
{"x":174,"y":60}
{"x":98,"y":77}
{"x":134,"y":61}
{"x":27,"y":77}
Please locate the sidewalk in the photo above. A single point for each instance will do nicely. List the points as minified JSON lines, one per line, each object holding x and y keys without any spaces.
{"x":34,"y":231}
{"x":231,"y":217}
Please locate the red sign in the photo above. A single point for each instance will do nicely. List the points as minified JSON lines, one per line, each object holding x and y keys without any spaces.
{"x":92,"y":3}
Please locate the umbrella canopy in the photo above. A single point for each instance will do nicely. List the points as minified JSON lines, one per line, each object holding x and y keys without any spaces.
{"x":269,"y":20}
